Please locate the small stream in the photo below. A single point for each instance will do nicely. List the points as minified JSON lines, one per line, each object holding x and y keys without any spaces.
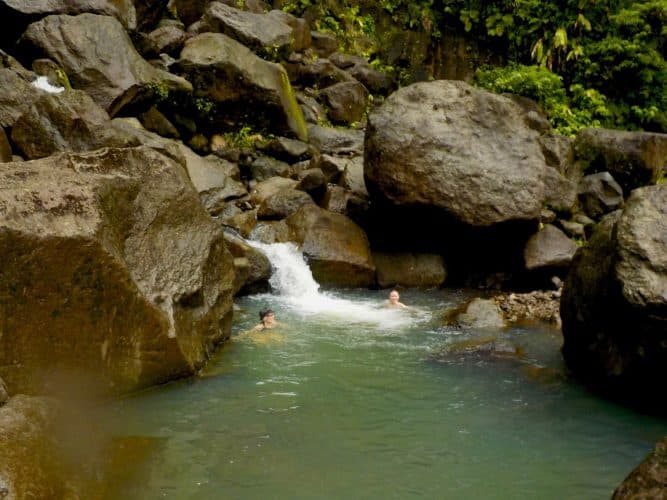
{"x":347,"y":400}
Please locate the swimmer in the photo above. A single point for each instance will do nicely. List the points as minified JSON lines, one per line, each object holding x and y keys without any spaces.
{"x":394,"y":300}
{"x":267,"y":320}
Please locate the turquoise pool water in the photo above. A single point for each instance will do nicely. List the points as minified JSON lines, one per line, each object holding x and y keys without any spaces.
{"x":347,"y":400}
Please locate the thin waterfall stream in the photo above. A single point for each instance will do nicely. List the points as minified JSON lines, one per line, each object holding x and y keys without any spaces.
{"x":352,"y":401}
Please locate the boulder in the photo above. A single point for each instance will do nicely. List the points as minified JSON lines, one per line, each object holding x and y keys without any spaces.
{"x":301,"y":39}
{"x":599,"y":194}
{"x":254,"y":269}
{"x":634,"y":159}
{"x":320,"y":73}
{"x":352,"y":177}
{"x":313,"y":182}
{"x":346,"y":101}
{"x":31,"y":466}
{"x":283,"y":204}
{"x":165,"y":39}
{"x":18,"y":14}
{"x":324,"y":44}
{"x":614,"y":304}
{"x":5,"y":147}
{"x":336,"y":248}
{"x":265,"y":167}
{"x":112,"y":271}
{"x":265,"y":189}
{"x":271,"y":232}
{"x":242,"y":221}
{"x":573,"y":229}
{"x":4,"y":395}
{"x":452,"y":147}
{"x":189,"y":11}
{"x":149,"y":12}
{"x":260,"y":32}
{"x":409,"y":269}
{"x":69,"y":121}
{"x":255,"y":90}
{"x":649,"y":479}
{"x":154,"y":121}
{"x":99,"y":58}
{"x":335,"y":199}
{"x":16,"y":94}
{"x":286,"y":149}
{"x":213,"y":178}
{"x":336,"y":140}
{"x":549,"y":248}
{"x":481,"y":314}
{"x":560,"y":192}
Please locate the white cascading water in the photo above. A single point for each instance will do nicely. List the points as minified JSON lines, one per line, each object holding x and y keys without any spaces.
{"x":293,"y":283}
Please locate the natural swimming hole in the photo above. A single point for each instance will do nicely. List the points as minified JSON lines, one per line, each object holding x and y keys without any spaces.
{"x":354,"y":402}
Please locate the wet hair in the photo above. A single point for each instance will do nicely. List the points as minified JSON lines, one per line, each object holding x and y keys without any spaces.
{"x":263,"y":314}
{"x":393,"y":290}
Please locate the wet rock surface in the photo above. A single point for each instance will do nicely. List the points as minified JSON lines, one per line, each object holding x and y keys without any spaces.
{"x":409,"y":269}
{"x":649,"y":479}
{"x":537,"y":305}
{"x":614,"y":304}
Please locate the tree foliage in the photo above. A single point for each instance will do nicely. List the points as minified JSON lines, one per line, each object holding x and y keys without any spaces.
{"x":608,"y":52}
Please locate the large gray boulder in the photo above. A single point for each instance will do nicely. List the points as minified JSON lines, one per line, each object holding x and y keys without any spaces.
{"x":112,"y":272}
{"x":634,"y":159}
{"x":481,"y":314}
{"x":337,"y":249}
{"x":614,"y":304}
{"x":98,"y":57}
{"x":229,"y":74}
{"x":260,"y":32}
{"x":549,"y":248}
{"x":449,"y":146}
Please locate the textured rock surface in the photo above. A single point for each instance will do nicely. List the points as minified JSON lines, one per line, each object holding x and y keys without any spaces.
{"x":5,"y":147}
{"x":346,"y":101}
{"x":228,"y":73}
{"x":481,"y":314}
{"x":648,"y":480}
{"x":336,"y":248}
{"x":634,"y":159}
{"x":252,"y":268}
{"x":447,"y":145}
{"x":16,"y":94}
{"x":283,"y":204}
{"x":257,"y":31}
{"x":30,"y":466}
{"x":549,"y":248}
{"x":4,"y":394}
{"x":99,"y":57}
{"x":600,"y":194}
{"x":614,"y":304}
{"x":336,"y":141}
{"x":111,"y":269}
{"x":409,"y":269}
{"x":69,"y":121}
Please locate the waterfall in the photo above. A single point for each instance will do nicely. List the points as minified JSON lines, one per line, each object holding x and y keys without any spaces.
{"x":291,"y":274}
{"x":294,"y":287}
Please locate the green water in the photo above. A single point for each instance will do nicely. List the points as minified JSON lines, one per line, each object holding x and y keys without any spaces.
{"x":345,"y":407}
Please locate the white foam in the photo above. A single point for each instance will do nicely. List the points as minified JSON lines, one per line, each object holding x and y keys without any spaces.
{"x":293,"y":283}
{"x":42,"y":83}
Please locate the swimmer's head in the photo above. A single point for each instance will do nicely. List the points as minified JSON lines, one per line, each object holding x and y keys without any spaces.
{"x":266,"y":314}
{"x":394,"y":296}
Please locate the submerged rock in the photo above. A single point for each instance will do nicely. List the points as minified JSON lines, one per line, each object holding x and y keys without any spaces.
{"x":649,"y":479}
{"x":480,"y":314}
{"x":111,"y":270}
{"x":337,"y":249}
{"x":614,"y":304}
{"x":98,"y":57}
